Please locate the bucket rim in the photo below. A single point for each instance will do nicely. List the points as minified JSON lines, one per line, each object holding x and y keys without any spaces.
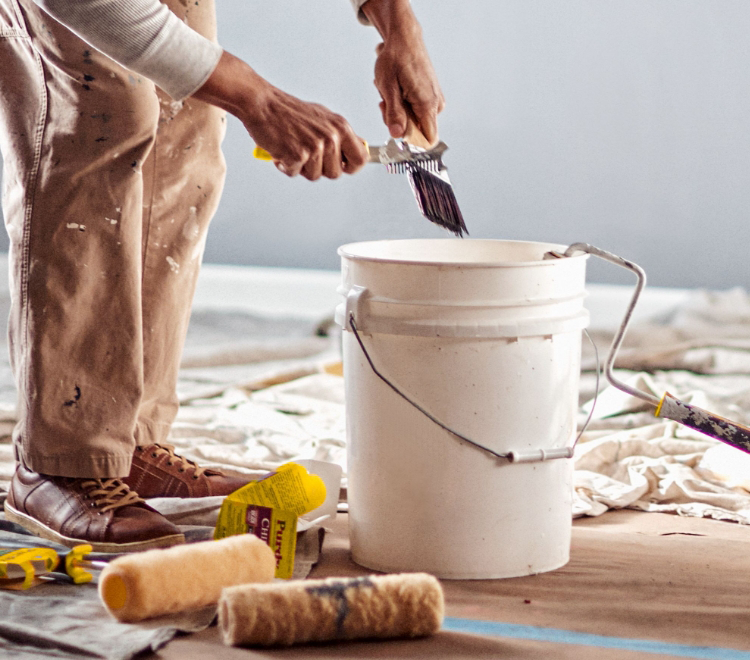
{"x":345,"y":251}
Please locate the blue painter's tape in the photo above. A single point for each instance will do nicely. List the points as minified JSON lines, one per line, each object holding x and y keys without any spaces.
{"x":558,"y":636}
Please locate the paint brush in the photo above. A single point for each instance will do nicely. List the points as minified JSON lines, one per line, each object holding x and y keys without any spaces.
{"x":422,"y":162}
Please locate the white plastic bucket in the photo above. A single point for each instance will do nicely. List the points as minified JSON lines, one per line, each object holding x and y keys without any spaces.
{"x":485,"y":335}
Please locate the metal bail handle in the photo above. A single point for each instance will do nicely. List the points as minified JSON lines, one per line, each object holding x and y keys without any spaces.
{"x":620,"y":334}
{"x":353,"y":301}
{"x":668,"y":407}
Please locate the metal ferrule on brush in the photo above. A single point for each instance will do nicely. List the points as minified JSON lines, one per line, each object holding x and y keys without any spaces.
{"x":397,"y":155}
{"x":428,"y":178}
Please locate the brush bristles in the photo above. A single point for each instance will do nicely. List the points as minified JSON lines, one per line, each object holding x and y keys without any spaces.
{"x":435,"y":197}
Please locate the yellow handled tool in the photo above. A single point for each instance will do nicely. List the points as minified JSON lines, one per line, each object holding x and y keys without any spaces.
{"x":422,"y":162}
{"x":30,"y":563}
{"x":395,"y":155}
{"x":385,"y":154}
{"x":261,"y":154}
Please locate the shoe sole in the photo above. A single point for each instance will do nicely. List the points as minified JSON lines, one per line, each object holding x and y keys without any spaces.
{"x":41,"y":530}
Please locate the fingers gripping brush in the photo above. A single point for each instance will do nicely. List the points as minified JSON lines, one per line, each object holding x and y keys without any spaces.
{"x":428,"y":176}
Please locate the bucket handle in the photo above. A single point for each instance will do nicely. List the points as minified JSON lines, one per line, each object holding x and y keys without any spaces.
{"x":620,"y":334}
{"x":354,"y":299}
{"x":668,"y":407}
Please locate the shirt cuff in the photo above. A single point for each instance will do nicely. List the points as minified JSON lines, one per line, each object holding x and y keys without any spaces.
{"x":180,"y":61}
{"x":357,"y":4}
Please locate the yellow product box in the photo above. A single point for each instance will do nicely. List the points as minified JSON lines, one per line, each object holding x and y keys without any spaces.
{"x":269,"y":508}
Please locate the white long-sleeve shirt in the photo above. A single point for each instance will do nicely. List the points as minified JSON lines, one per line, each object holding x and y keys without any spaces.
{"x":147,"y":38}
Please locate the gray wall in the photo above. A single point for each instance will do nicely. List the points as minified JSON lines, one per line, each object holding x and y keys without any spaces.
{"x":623,"y":124}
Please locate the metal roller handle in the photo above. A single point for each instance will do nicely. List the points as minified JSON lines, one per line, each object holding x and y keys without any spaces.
{"x":620,"y":334}
{"x":668,"y":407}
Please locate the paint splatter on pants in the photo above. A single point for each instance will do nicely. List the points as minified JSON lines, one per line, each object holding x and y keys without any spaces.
{"x":109,"y":187}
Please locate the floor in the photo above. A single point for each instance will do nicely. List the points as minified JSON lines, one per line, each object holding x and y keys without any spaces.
{"x":637,"y":585}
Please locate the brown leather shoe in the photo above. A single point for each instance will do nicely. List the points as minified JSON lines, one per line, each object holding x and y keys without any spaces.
{"x":102,"y":512}
{"x":157,"y":471}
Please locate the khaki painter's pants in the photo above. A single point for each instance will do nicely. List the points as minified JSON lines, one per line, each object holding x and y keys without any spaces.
{"x":109,"y":187}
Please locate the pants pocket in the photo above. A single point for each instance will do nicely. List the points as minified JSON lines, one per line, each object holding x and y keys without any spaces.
{"x":11,"y":23}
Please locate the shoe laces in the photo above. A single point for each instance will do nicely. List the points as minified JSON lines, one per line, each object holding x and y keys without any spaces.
{"x":109,"y":494}
{"x":183,"y":463}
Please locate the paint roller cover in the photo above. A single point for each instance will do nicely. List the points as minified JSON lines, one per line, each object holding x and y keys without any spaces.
{"x":156,"y":582}
{"x":383,"y":606}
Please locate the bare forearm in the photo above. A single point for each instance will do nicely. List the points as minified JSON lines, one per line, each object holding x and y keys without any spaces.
{"x":404,"y":74}
{"x":303,"y":138}
{"x":235,"y":87}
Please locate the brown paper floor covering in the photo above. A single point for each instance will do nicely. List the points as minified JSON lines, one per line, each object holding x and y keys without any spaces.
{"x":632,"y":575}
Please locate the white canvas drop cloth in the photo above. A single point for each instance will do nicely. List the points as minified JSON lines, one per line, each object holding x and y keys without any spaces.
{"x":255,"y":392}
{"x":699,"y":351}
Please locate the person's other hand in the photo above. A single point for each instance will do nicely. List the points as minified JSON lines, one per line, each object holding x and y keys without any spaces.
{"x":303,"y":138}
{"x":404,"y":75}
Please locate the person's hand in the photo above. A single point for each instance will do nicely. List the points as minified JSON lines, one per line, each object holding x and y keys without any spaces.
{"x":404,"y":75}
{"x":303,"y":138}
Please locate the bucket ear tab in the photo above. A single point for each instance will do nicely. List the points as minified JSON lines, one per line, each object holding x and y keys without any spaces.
{"x":355,"y":300}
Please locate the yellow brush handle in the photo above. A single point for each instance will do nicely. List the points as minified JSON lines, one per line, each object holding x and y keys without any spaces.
{"x":261,"y":154}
